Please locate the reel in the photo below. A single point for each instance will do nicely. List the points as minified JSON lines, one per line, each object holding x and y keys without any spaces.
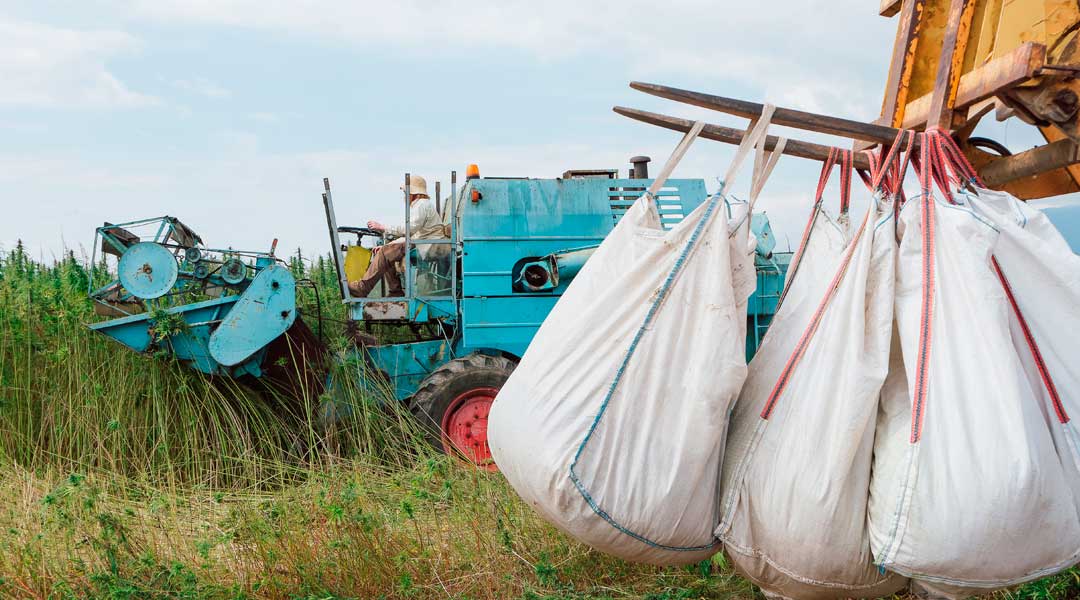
{"x":148,"y":270}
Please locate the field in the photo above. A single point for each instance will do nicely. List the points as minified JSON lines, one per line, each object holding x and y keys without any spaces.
{"x":126,"y":477}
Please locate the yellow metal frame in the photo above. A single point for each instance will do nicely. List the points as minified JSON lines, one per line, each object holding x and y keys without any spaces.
{"x":954,"y":59}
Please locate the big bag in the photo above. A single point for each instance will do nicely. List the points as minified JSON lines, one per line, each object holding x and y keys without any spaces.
{"x":969,"y":493}
{"x":798,"y":459}
{"x":1040,"y":276}
{"x":612,"y":426}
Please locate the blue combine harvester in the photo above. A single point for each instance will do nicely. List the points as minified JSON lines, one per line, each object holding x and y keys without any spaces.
{"x":511,"y":248}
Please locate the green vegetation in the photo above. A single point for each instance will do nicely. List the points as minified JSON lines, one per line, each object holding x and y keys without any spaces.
{"x":123,"y":477}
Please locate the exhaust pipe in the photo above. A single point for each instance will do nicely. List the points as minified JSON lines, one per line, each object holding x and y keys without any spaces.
{"x":639,"y":167}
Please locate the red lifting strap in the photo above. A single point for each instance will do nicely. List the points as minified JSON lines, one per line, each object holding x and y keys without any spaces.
{"x":815,"y":321}
{"x":875,"y":168}
{"x":826,"y":170}
{"x":885,"y":165}
{"x":846,"y":162}
{"x":1033,"y":347}
{"x":950,"y":156}
{"x":896,"y":185}
{"x":888,"y":173}
{"x":823,"y":179}
{"x":921,"y":385}
{"x":947,"y":166}
{"x":954,"y":157}
{"x":864,"y":176}
{"x":924,"y":165}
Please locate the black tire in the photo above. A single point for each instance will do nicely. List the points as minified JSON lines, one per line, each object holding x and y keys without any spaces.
{"x":449,"y":382}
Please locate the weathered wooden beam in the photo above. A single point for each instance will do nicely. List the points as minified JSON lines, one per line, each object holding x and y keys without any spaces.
{"x":1036,"y":161}
{"x":783,"y":116}
{"x":995,"y":174}
{"x":731,"y":135}
{"x":950,"y":63}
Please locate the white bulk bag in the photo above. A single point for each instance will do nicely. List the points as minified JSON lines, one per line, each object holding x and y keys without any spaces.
{"x":1042,"y":278}
{"x":612,"y":425}
{"x":968,"y":494}
{"x":799,"y":453}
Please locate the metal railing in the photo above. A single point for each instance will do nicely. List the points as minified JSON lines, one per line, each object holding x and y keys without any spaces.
{"x":408,"y":279}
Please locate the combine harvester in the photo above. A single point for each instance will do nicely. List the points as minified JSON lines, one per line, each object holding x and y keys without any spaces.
{"x":515,"y":244}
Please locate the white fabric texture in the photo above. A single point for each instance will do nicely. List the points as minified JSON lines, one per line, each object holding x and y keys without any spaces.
{"x":1044,"y":277}
{"x":796,"y":481}
{"x":612,"y":426}
{"x":969,"y":492}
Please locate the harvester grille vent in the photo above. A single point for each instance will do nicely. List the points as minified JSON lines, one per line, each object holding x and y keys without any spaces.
{"x":669,"y":202}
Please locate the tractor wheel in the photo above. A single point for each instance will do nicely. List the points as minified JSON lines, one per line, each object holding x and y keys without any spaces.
{"x":454,"y":401}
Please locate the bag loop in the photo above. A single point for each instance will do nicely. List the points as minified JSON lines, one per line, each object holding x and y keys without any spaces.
{"x":750,"y":140}
{"x":763,"y":167}
{"x":673,"y":160}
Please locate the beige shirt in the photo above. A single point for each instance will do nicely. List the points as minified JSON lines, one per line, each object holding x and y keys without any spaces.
{"x":424,"y":224}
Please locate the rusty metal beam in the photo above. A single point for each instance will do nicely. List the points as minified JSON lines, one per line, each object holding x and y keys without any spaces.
{"x":783,"y":116}
{"x":950,"y":64}
{"x":998,"y":75}
{"x":731,"y":135}
{"x":1052,"y":134}
{"x":889,"y":8}
{"x":1036,"y":161}
{"x":902,"y":64}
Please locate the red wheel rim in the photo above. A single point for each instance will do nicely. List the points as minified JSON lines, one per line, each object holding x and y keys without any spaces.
{"x":464,"y":426}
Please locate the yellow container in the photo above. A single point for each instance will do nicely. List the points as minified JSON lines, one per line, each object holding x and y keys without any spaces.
{"x":357,"y":259}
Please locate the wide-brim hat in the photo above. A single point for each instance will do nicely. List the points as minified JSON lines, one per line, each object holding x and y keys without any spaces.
{"x":417,"y":185}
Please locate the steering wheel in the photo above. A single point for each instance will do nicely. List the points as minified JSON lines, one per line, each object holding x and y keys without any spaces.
{"x":359,"y":231}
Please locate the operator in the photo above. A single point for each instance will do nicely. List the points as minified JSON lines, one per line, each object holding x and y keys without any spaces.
{"x":424,"y":223}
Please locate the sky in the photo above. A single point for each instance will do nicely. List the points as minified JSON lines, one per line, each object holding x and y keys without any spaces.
{"x":228,"y":113}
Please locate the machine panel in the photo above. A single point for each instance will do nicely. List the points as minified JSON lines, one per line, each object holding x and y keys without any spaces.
{"x":517,"y":218}
{"x":507,"y":323}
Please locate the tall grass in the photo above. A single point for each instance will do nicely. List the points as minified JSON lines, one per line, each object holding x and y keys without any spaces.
{"x":122,"y":476}
{"x":74,"y":399}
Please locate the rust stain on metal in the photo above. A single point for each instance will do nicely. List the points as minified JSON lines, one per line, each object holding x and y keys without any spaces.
{"x":904,"y":85}
{"x":963,"y":33}
{"x":385,"y":310}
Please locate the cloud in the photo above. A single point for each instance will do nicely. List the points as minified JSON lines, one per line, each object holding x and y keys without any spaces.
{"x":202,"y":87}
{"x":796,"y":58}
{"x":43,"y":66}
{"x":244,"y":195}
{"x":244,"y":191}
{"x":264,"y":117}
{"x":77,"y":175}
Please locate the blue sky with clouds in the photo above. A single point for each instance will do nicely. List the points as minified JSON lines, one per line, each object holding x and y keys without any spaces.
{"x":228,"y":113}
